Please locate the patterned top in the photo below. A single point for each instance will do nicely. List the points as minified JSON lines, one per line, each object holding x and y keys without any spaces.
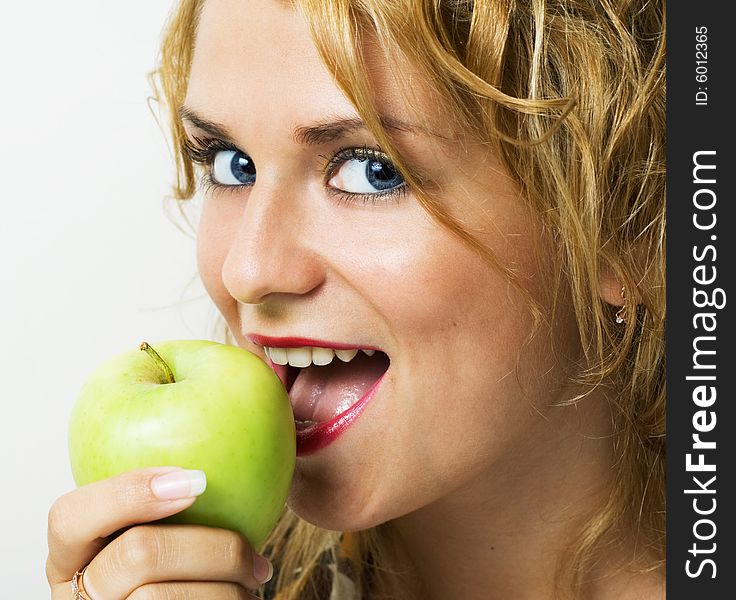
{"x":335,"y":576}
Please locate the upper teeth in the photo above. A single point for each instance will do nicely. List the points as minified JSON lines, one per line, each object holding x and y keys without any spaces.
{"x":303,"y":357}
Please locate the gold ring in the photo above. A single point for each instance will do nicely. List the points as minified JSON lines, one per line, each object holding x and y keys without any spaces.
{"x":78,"y":586}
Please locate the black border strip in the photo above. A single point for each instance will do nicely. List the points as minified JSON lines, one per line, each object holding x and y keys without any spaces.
{"x":700,"y":326}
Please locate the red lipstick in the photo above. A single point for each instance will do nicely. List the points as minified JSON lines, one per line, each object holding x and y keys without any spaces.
{"x":297,"y":342}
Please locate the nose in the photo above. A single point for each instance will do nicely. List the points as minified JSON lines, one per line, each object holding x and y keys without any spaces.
{"x":270,"y":253}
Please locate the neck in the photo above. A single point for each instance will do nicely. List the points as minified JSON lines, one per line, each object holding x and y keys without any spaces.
{"x":503,"y":534}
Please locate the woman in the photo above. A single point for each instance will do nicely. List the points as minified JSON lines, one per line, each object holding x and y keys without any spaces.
{"x":473,"y":195}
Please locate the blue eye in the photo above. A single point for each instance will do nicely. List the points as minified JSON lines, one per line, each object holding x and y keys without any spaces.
{"x":366,"y":176}
{"x":232,"y":167}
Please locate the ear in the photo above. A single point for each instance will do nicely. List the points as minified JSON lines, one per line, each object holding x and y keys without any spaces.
{"x":610,"y":288}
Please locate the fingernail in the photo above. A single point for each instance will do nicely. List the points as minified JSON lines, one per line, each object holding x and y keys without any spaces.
{"x":262,"y":569}
{"x":179,"y":484}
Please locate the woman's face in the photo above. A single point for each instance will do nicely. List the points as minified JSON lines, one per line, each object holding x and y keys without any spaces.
{"x":351,"y":259}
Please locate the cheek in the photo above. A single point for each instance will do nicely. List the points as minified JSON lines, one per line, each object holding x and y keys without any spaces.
{"x":444,"y":302}
{"x":470,"y":377}
{"x":215,"y":233}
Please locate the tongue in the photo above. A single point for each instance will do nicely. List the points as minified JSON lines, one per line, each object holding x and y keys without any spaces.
{"x":321,"y":393}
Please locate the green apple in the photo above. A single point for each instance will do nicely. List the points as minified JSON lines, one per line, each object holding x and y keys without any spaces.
{"x":197,"y":405}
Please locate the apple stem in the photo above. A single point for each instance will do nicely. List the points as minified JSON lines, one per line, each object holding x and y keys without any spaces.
{"x":146,"y":347}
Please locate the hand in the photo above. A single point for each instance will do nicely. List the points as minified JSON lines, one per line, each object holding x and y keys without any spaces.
{"x":156,"y":561}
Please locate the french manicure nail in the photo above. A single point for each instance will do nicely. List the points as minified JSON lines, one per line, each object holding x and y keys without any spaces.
{"x":179,"y":484}
{"x":262,"y":569}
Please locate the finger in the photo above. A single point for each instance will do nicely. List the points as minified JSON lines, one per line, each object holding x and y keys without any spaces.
{"x":80,"y":520}
{"x":159,"y":553}
{"x":188,"y":590}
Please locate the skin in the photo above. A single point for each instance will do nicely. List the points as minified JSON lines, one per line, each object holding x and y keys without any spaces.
{"x":462,"y":448}
{"x":282,"y":258}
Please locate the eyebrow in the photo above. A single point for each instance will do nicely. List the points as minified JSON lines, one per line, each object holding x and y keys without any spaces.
{"x":309,"y":135}
{"x":338,"y":128}
{"x":209,"y":127}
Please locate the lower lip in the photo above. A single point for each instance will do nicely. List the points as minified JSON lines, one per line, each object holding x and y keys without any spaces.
{"x":319,"y":435}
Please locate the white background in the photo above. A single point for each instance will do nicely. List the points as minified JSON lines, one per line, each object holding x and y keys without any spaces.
{"x":90,"y":263}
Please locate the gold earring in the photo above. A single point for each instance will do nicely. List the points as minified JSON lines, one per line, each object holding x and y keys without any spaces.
{"x":621,"y":312}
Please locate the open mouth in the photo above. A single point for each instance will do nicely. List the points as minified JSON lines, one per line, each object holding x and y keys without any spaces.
{"x":330,"y":383}
{"x":320,"y":393}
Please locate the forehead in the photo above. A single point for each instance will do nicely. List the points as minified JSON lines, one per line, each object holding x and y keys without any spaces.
{"x":248,"y":54}
{"x":257,"y":57}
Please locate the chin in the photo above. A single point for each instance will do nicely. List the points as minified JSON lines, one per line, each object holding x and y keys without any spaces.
{"x":339,"y":508}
